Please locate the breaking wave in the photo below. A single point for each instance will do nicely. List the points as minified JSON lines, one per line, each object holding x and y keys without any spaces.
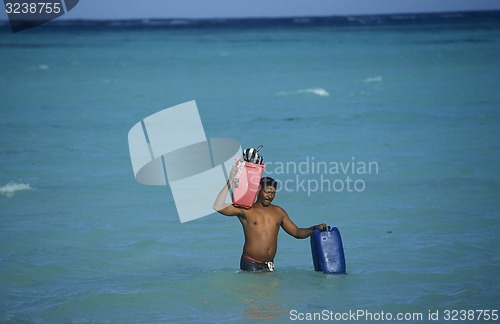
{"x":11,"y":188}
{"x":316,"y":91}
{"x":373,"y":79}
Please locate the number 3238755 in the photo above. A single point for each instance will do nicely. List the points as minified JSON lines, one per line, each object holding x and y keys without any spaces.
{"x":471,"y":315}
{"x":33,"y":8}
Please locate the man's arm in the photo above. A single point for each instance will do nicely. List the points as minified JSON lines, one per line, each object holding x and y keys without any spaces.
{"x":297,"y":232}
{"x":220,"y":204}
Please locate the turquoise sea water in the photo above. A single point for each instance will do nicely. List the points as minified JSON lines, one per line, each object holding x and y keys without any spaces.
{"x":81,"y":241}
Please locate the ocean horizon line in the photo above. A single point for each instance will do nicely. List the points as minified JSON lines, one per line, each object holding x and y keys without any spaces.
{"x":355,"y":19}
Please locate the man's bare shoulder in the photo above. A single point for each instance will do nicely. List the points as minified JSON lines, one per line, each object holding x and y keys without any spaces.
{"x":271,"y":208}
{"x":278,"y":209}
{"x":240,"y":212}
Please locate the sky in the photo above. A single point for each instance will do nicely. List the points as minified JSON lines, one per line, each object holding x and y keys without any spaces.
{"x":143,"y":9}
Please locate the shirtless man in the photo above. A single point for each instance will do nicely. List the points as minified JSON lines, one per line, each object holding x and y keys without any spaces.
{"x":261,"y":224}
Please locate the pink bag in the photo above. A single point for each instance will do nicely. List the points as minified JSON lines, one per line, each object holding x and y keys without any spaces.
{"x":246,"y":184}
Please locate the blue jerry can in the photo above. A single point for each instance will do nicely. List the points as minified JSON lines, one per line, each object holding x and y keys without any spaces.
{"x":327,"y":251}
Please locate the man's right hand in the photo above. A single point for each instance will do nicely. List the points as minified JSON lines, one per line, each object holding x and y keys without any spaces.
{"x":233,"y":172}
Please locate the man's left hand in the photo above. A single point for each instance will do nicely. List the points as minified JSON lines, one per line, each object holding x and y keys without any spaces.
{"x":321,"y":227}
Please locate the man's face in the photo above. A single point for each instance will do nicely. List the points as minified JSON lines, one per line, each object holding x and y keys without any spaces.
{"x":266,"y":195}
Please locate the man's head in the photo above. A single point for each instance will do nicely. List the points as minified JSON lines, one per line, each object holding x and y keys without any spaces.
{"x":267,"y":190}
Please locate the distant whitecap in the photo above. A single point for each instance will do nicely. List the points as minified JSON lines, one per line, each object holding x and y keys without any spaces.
{"x":316,"y":91}
{"x":373,"y":79}
{"x":12,"y":187}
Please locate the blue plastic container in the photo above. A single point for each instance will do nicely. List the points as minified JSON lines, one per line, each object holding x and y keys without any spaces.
{"x":328,"y":251}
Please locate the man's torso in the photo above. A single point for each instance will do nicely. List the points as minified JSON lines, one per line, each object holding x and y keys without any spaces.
{"x":261,"y":226}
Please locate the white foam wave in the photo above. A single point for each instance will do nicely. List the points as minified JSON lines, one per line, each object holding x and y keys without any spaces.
{"x":316,"y":91}
{"x":12,"y":187}
{"x":378,"y":78}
